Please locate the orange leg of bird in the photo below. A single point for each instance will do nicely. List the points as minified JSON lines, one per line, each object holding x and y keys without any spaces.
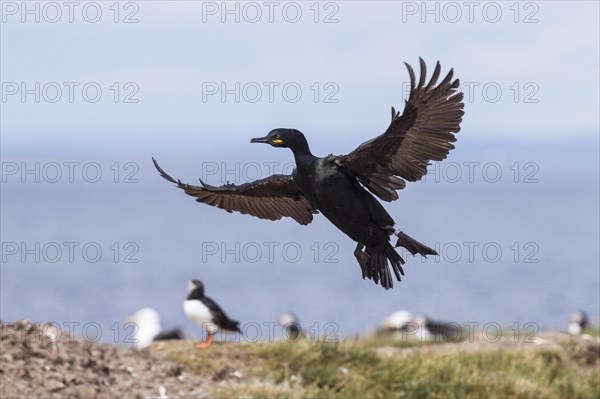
{"x":206,"y":343}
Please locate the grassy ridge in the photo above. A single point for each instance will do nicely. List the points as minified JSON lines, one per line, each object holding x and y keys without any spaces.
{"x":378,"y":367}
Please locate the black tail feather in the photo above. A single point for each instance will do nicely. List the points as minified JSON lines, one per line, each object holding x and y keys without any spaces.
{"x":231,"y":325}
{"x":378,"y":269}
{"x":379,"y":262}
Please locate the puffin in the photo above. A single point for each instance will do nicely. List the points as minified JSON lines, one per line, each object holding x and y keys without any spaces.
{"x":206,"y":313}
{"x":291,"y":326}
{"x":578,"y":321}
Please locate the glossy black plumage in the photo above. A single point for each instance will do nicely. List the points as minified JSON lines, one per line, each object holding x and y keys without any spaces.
{"x":335,"y":185}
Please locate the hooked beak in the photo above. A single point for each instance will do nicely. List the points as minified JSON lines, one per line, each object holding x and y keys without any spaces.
{"x":260,"y":140}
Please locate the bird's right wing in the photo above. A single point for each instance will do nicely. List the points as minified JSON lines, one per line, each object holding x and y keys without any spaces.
{"x":423,"y":133}
{"x":271,"y":198}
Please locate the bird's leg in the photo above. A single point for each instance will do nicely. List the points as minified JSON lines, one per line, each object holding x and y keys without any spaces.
{"x":362,"y":258}
{"x":206,"y":343}
{"x":400,"y":242}
{"x":391,"y":230}
{"x":398,"y":233}
{"x":412,"y":245}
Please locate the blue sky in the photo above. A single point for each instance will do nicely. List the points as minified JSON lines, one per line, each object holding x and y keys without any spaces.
{"x":528,"y":69}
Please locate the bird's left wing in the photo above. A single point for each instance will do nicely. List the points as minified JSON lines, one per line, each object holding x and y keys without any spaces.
{"x":423,"y":133}
{"x":219,"y":316}
{"x":271,"y":198}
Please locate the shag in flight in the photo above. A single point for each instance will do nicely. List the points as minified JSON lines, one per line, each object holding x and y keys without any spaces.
{"x":337,"y":186}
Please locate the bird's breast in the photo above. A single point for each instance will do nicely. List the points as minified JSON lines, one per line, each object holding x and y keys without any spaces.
{"x":199,"y":313}
{"x":344,"y":202}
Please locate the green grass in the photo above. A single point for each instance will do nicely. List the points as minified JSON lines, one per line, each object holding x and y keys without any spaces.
{"x":594,"y":331}
{"x":357,"y":368}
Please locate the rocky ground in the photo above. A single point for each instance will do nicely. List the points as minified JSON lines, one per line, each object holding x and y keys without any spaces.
{"x":33,"y":366}
{"x":36,"y":361}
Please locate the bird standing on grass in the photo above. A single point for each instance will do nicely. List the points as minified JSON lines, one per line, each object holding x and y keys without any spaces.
{"x":148,"y":330}
{"x":341,"y":187}
{"x":422,"y":327}
{"x":206,"y":314}
{"x":291,"y":326}
{"x":578,"y":322}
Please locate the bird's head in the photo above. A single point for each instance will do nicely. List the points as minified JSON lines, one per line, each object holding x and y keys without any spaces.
{"x":196,"y":287}
{"x":286,"y":138}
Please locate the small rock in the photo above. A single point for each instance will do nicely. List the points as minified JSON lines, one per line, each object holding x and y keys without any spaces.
{"x":238,"y":374}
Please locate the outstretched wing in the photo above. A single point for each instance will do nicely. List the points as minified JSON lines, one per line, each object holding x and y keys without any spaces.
{"x":423,"y":133}
{"x":272,"y":198}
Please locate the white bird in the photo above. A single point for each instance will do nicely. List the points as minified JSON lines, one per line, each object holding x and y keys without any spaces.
{"x":148,"y":330}
{"x":420,"y":327}
{"x":147,"y":323}
{"x":397,"y":320}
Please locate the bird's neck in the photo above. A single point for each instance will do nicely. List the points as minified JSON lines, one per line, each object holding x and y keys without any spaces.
{"x":301,"y":152}
{"x":197,"y":293}
{"x":304,"y":159}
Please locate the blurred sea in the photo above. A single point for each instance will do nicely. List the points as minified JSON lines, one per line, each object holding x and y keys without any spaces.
{"x":517,"y":247}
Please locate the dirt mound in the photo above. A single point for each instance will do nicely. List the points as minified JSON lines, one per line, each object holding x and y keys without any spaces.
{"x":36,"y":360}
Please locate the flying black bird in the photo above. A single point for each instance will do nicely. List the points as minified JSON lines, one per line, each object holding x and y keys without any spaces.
{"x":337,"y":186}
{"x":205,"y":313}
